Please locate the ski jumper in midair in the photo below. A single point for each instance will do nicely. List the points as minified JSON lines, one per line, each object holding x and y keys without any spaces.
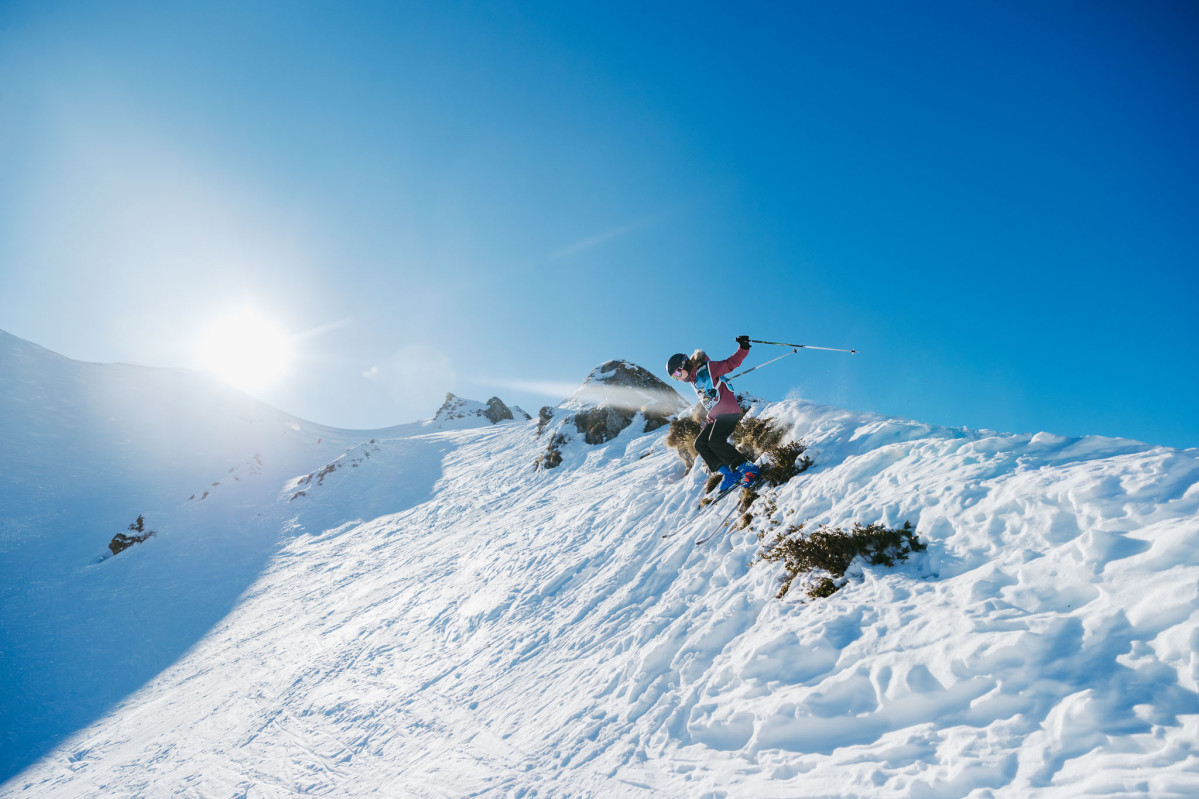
{"x":723,"y":412}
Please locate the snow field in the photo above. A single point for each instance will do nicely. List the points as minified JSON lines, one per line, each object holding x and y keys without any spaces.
{"x":435,"y":618}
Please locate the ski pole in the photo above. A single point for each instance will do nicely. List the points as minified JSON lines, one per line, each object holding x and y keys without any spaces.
{"x":759,"y":366}
{"x":801,"y":346}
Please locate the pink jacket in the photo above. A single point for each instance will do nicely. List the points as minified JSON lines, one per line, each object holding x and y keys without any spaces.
{"x":713,"y":392}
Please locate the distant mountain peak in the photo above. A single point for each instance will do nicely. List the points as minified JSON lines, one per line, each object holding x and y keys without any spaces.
{"x":459,"y":412}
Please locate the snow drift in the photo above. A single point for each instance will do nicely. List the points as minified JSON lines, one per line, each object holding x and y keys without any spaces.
{"x":433,"y":616}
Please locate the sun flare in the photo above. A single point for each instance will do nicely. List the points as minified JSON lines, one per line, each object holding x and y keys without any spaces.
{"x":246,"y":350}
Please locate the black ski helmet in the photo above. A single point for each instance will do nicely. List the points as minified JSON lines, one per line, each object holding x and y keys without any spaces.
{"x":675,"y":363}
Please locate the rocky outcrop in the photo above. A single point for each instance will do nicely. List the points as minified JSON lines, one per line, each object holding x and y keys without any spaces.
{"x":614,"y":394}
{"x":120,"y":542}
{"x":544,"y":416}
{"x":603,"y":424}
{"x":611,"y":399}
{"x":497,"y":411}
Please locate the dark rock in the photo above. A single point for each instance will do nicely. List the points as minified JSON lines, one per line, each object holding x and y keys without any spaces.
{"x":544,"y":416}
{"x":599,"y":425}
{"x":497,"y":411}
{"x":552,"y":457}
{"x":120,"y":542}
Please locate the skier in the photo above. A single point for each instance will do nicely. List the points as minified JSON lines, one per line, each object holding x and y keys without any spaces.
{"x":712,"y":443}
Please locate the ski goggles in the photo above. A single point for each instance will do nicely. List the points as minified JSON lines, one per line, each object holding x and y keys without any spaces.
{"x":677,"y":374}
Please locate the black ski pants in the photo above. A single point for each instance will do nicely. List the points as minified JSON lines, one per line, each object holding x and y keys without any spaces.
{"x":713,"y":445}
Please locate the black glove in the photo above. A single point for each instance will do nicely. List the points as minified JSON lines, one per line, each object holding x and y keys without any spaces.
{"x":743,"y":341}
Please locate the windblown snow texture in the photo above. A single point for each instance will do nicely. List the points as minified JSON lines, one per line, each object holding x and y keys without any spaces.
{"x":419,"y":612}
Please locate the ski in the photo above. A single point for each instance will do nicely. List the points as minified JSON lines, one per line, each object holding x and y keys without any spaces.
{"x":724,"y":520}
{"x":706,"y":510}
{"x":722,"y":494}
{"x":718,"y":529}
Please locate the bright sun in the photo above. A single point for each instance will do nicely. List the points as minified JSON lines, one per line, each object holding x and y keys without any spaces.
{"x":246,"y":350}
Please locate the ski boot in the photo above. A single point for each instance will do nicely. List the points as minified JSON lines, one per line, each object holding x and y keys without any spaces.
{"x":731,"y":478}
{"x":748,"y":473}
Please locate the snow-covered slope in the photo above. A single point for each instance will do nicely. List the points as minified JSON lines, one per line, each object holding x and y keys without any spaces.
{"x":433,"y":616}
{"x":88,"y":448}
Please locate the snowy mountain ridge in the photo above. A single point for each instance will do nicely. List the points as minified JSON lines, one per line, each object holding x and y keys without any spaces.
{"x":459,"y":413}
{"x":436,"y":617}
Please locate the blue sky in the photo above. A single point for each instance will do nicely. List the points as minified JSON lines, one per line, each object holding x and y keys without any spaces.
{"x":997,"y":203}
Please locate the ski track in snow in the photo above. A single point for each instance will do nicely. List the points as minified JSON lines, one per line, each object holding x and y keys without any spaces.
{"x":439,"y":619}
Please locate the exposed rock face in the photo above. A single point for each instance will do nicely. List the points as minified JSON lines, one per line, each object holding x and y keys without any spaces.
{"x":602,"y":424}
{"x":543,"y":418}
{"x":552,"y":457}
{"x":497,"y":411}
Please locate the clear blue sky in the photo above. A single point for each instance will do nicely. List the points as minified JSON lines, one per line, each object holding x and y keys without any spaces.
{"x":997,"y":203}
